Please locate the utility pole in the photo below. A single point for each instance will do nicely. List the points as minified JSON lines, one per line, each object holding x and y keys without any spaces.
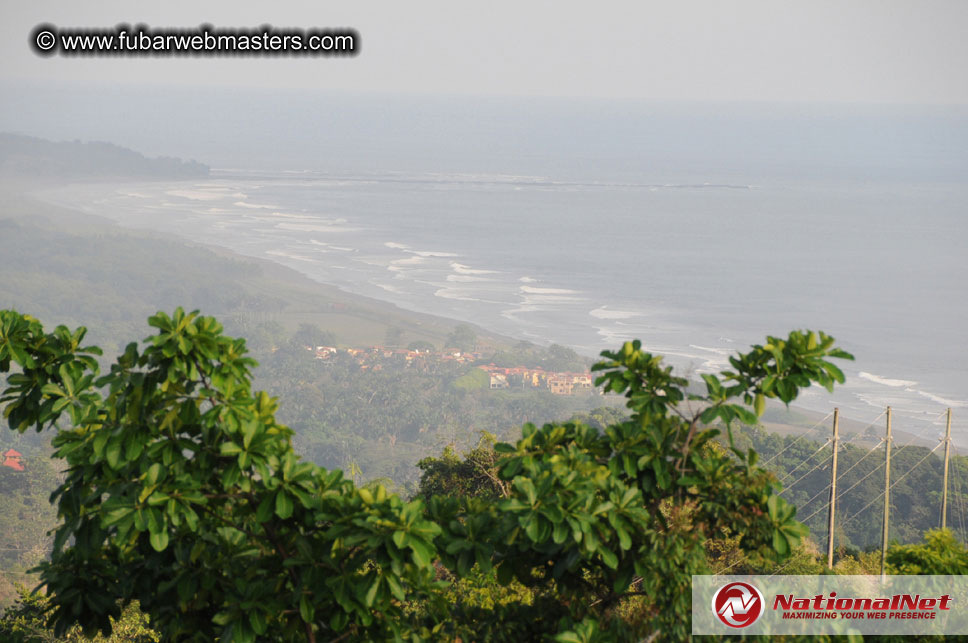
{"x":833,"y":492}
{"x":944,"y":483}
{"x":887,"y":495}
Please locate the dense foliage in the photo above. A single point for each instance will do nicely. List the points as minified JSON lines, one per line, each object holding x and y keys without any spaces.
{"x":940,"y":554}
{"x":475,"y":474}
{"x":26,"y":622}
{"x":183,"y":492}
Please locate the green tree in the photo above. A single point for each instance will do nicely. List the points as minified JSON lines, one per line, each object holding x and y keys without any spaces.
{"x":476,"y":474}
{"x":601,"y":417}
{"x":601,"y":518}
{"x":463,"y":337}
{"x":562,"y":358}
{"x":940,"y":553}
{"x":313,"y":336}
{"x":183,"y":492}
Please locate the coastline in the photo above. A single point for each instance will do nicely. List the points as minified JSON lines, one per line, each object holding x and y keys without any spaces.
{"x":361,"y":320}
{"x":365,"y":314}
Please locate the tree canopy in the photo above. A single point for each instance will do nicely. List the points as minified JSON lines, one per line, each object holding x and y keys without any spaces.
{"x":463,"y":337}
{"x":184,"y":493}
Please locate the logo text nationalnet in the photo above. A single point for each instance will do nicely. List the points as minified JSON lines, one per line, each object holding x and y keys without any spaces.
{"x":898,"y":606}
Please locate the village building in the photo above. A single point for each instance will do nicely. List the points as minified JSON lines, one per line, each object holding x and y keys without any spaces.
{"x":582,"y":381}
{"x":12,"y":459}
{"x":325,"y":352}
{"x":561,"y":385}
{"x":499,"y":381}
{"x":557,"y":383}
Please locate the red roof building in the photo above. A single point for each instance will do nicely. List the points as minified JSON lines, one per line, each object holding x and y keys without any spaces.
{"x":12,"y":459}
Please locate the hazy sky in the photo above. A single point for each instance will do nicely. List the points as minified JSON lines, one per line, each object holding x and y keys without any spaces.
{"x":881,"y":51}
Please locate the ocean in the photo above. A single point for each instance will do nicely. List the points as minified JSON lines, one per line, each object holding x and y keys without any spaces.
{"x":696,"y":268}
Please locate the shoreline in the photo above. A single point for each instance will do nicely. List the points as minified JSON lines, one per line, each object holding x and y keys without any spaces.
{"x":323,"y":302}
{"x":376,"y":307}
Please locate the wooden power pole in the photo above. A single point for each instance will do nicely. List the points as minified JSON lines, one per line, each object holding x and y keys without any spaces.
{"x":944,"y":483}
{"x":887,"y":494}
{"x":833,"y":492}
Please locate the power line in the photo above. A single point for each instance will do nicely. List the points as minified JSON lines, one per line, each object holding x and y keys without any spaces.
{"x":789,"y":474}
{"x":788,"y":563}
{"x":829,"y":484}
{"x":844,"y":492}
{"x":858,"y":434}
{"x":802,"y":436}
{"x":821,"y":508}
{"x":861,"y":432}
{"x":723,"y":573}
{"x":851,"y":468}
{"x":869,"y":474}
{"x":817,"y":466}
{"x":815,"y":512}
{"x":867,"y":506}
{"x":815,"y":496}
{"x":961,"y":502}
{"x":915,"y":436}
{"x":893,"y":484}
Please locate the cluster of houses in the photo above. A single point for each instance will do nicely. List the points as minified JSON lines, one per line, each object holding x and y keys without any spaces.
{"x":520,"y":377}
{"x":372,"y":356}
{"x":500,"y":378}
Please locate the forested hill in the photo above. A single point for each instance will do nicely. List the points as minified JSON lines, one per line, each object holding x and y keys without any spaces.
{"x":39,"y":159}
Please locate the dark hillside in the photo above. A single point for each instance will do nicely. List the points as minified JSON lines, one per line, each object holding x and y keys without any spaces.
{"x":39,"y":159}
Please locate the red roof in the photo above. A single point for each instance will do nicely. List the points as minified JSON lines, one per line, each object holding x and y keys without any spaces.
{"x":12,"y":459}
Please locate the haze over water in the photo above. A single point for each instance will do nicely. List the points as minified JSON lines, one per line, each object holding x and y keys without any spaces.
{"x":698,"y":231}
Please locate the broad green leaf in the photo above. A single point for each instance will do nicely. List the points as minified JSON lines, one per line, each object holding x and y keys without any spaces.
{"x":159,"y":540}
{"x":264,"y":512}
{"x":422,"y":554}
{"x":371,"y":593}
{"x":230,"y":449}
{"x":608,"y":557}
{"x":780,"y":543}
{"x":283,"y":504}
{"x":154,"y":473}
{"x":113,"y":452}
{"x":306,"y":609}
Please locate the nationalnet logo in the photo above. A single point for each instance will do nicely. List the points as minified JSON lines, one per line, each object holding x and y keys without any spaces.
{"x":738,"y":604}
{"x":830,"y":604}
